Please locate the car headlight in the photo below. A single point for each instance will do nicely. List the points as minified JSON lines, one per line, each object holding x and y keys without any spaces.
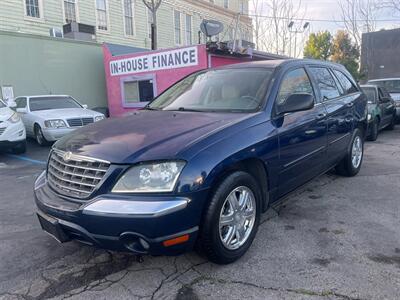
{"x":99,"y":118}
{"x":150,"y":178}
{"x":14,"y":118}
{"x":55,"y":123}
{"x":369,"y":117}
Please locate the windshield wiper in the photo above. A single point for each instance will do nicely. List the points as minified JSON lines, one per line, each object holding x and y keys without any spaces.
{"x":150,"y":108}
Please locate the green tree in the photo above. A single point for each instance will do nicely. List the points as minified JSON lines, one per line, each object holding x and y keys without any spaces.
{"x":318,"y":45}
{"x":345,"y":52}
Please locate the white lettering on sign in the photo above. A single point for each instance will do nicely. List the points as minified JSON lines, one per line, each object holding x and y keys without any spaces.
{"x":178,"y":58}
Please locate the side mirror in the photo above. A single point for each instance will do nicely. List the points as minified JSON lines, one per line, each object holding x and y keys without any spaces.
{"x":12,"y":104}
{"x":22,"y":110}
{"x":384,"y":99}
{"x":84,"y":106}
{"x":296,"y":102}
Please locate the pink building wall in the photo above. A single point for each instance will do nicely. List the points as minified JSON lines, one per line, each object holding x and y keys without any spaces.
{"x":162,"y":79}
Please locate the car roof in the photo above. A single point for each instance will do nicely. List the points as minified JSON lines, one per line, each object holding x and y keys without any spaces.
{"x":369,"y":86}
{"x":384,"y":79}
{"x":281,"y":62}
{"x":44,"y":96}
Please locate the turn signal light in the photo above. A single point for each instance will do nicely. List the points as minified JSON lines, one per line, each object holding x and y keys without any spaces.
{"x":175,"y":241}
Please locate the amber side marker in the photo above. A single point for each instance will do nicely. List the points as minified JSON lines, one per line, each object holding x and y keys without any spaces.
{"x":175,"y":241}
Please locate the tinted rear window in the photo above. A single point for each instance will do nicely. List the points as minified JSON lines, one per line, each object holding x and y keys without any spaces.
{"x":46,"y":103}
{"x":347,"y":85}
{"x":326,"y":83}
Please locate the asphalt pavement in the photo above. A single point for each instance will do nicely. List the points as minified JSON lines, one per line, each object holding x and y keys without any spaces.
{"x":335,"y":238}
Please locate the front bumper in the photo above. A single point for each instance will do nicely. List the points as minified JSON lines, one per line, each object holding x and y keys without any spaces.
{"x":13,"y":133}
{"x":54,"y":134}
{"x":147,"y":230}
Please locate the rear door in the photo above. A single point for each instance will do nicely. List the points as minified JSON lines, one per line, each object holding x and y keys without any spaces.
{"x":338,"y":103}
{"x":302,"y":135}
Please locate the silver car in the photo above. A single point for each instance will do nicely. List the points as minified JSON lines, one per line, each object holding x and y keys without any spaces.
{"x":48,"y":118}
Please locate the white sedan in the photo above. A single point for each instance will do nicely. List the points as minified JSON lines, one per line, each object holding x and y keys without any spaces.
{"x":48,"y":118}
{"x":12,"y":130}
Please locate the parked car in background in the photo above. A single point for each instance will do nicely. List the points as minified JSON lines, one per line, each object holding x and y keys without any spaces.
{"x":381,"y":110}
{"x":12,"y":130}
{"x":392,"y":85}
{"x":48,"y":118}
{"x":204,"y":159}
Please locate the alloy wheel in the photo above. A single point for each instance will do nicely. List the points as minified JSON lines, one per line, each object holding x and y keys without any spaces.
{"x":237,"y":218}
{"x":356,"y":152}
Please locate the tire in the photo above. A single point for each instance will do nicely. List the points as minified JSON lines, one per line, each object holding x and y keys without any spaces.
{"x":392,"y":123}
{"x":39,"y":137}
{"x":373,"y":136}
{"x":217,"y":242}
{"x":20,"y":148}
{"x":350,"y":166}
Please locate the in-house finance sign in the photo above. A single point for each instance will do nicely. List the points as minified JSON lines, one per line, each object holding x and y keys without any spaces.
{"x":178,"y":58}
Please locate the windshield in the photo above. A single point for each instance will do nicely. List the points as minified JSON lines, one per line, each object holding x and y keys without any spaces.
{"x":2,"y":104}
{"x":392,"y":86}
{"x":46,"y":103}
{"x":370,"y":93}
{"x":217,"y":90}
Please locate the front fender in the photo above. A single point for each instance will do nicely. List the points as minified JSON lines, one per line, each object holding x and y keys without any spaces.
{"x":203,"y":170}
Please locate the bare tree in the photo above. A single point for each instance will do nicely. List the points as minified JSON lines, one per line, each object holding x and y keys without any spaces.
{"x":153,"y":6}
{"x":392,"y":4}
{"x":257,"y":9}
{"x":276,"y":36}
{"x":358,"y":16}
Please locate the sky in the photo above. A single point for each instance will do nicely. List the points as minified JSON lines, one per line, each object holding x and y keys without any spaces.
{"x":330,"y":10}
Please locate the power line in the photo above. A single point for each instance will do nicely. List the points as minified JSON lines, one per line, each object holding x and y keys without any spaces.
{"x":320,"y":20}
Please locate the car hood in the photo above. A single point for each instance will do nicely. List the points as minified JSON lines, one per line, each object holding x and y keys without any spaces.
{"x":65,"y":113}
{"x":5,"y":113}
{"x":146,"y":135}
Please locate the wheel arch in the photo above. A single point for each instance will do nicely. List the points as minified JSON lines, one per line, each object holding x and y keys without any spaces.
{"x":255,"y":167}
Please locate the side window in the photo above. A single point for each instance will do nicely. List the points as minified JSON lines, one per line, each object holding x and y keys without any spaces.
{"x":21,"y":102}
{"x":326,"y":83}
{"x":295,"y":81}
{"x":345,"y":82}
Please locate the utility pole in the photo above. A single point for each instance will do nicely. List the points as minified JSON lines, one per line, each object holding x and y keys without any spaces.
{"x":295,"y":31}
{"x":153,"y":6}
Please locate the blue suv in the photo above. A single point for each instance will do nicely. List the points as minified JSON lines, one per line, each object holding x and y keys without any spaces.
{"x":203,"y":160}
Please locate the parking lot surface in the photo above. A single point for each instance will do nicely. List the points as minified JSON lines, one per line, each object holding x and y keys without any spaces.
{"x":335,"y":238}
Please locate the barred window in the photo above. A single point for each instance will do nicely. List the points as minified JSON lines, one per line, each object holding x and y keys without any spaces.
{"x":128,"y":16}
{"x":70,"y":11}
{"x":188,"y":30}
{"x":177,"y":23}
{"x":101,"y":9}
{"x":32,"y":8}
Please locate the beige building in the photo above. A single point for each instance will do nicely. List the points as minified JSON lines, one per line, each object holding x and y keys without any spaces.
{"x":127,"y":22}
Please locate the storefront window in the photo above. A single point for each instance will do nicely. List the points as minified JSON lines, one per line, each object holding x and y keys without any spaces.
{"x":136,"y":91}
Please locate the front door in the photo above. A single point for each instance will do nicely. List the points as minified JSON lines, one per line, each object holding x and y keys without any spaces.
{"x":386,"y":105}
{"x":302,"y":135}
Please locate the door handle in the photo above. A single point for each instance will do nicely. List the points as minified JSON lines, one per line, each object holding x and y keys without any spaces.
{"x":320,"y":116}
{"x":351,"y":104}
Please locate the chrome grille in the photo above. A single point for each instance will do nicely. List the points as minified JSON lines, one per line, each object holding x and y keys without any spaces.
{"x":74,"y":175}
{"x":78,"y":122}
{"x":2,"y":130}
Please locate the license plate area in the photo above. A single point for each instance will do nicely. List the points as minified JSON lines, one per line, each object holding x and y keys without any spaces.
{"x":52,"y":227}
